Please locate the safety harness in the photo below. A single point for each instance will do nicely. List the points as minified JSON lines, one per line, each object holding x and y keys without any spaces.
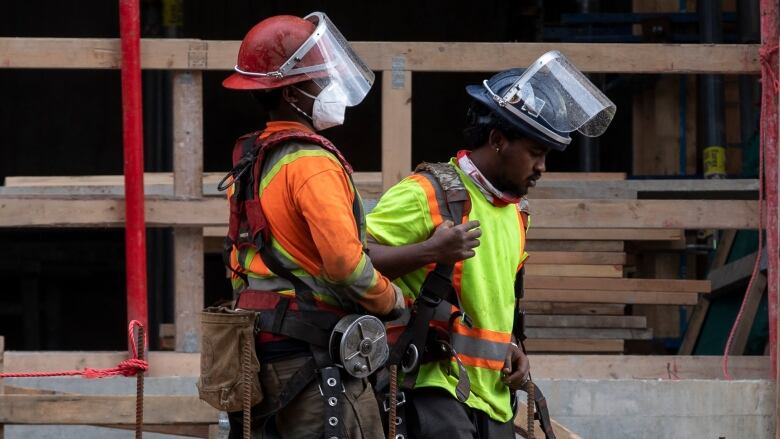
{"x":301,"y":317}
{"x":420,"y":342}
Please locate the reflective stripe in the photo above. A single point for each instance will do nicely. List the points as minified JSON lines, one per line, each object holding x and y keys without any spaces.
{"x":495,"y":365}
{"x":433,"y":201}
{"x":287,"y":154}
{"x":479,"y":348}
{"x":485,"y":334}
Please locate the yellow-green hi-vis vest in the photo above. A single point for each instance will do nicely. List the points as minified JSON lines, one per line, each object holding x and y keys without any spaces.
{"x":408,"y":213}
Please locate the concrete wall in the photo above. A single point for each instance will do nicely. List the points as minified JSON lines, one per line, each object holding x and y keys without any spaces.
{"x":603,"y":409}
{"x":652,"y":409}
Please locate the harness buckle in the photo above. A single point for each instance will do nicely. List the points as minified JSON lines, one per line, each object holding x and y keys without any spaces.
{"x":400,"y":400}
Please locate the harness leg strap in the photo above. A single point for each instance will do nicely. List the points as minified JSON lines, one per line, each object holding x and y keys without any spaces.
{"x":332,"y":390}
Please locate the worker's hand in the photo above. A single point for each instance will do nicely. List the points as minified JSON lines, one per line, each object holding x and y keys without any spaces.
{"x":516,"y":368}
{"x":450,"y":244}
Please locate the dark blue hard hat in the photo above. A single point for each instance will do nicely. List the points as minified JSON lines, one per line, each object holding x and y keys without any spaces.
{"x":489,"y":94}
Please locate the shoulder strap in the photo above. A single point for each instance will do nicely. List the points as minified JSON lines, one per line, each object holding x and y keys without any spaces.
{"x":452,"y":198}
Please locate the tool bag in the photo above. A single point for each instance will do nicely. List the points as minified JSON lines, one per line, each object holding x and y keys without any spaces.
{"x":228,"y":364}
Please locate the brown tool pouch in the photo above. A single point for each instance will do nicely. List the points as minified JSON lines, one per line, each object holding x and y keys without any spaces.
{"x":228,"y":362}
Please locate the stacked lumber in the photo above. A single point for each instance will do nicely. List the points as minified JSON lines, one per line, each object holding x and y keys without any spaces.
{"x":576,"y":293}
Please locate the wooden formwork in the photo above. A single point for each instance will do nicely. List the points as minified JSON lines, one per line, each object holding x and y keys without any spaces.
{"x":192,"y":214}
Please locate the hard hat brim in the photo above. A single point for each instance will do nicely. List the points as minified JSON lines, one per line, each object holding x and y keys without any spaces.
{"x":481,"y":95}
{"x":237,"y":81}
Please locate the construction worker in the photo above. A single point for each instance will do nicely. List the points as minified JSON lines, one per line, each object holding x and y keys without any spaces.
{"x":297,"y":225}
{"x":462,"y":389}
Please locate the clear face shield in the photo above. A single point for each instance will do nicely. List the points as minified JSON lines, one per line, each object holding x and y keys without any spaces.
{"x":327,"y":59}
{"x":556,"y":91}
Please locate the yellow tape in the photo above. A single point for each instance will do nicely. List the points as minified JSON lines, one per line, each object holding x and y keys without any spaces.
{"x":714,"y":161}
{"x":173,"y":14}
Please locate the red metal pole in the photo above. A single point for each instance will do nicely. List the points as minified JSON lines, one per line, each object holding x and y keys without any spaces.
{"x":135,"y":232}
{"x":769,"y":42}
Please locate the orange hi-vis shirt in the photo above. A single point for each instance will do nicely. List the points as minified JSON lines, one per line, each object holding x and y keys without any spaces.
{"x":307,"y":198}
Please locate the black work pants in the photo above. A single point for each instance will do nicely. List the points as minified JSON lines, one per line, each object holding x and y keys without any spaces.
{"x":433,"y":413}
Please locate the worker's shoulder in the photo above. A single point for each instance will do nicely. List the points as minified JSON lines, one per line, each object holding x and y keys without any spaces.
{"x":442,"y":174}
{"x":290,"y":152}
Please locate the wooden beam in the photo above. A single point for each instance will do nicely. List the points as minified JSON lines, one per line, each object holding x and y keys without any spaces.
{"x":646,"y":367}
{"x":534,"y":245}
{"x":600,"y":296}
{"x":573,"y":186}
{"x":557,"y":308}
{"x":103,"y":410}
{"x":589,"y":258}
{"x":164,"y":364}
{"x":580,"y":321}
{"x":396,"y":124}
{"x":188,"y":185}
{"x":161,"y":363}
{"x":575,"y":270}
{"x":539,"y":231}
{"x":676,"y":214}
{"x":182,"y":54}
{"x":574,"y":345}
{"x":733,"y":272}
{"x":752,"y":302}
{"x":589,"y":333}
{"x":521,"y":425}
{"x":584,"y":283}
{"x":31,"y":211}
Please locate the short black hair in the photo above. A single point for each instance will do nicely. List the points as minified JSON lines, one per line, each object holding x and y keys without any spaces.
{"x":480,"y":120}
{"x":268,"y":99}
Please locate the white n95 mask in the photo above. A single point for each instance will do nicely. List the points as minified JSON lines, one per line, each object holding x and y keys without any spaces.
{"x":329,"y":106}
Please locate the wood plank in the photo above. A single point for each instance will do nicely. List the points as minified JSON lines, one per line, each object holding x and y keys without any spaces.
{"x":648,"y":188}
{"x":396,"y":125}
{"x":534,"y":245}
{"x":161,"y":363}
{"x":103,"y":409}
{"x":557,"y":308}
{"x":588,"y":258}
{"x":676,"y":214}
{"x":31,"y":211}
{"x":601,"y":296}
{"x":667,"y":285}
{"x":584,"y":176}
{"x":101,"y":212}
{"x":575,"y":270}
{"x":754,"y":296}
{"x":369,"y":185}
{"x":188,"y":184}
{"x":647,"y":367}
{"x":574,"y":345}
{"x":521,"y":425}
{"x":589,"y":333}
{"x":734,"y":272}
{"x":699,"y":313}
{"x":579,"y":321}
{"x":544,"y":366}
{"x":539,"y":231}
{"x":181,"y":54}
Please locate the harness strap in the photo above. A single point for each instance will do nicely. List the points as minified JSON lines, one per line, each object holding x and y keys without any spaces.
{"x":332,"y":390}
{"x":518,"y":325}
{"x":303,"y":293}
{"x":542,"y":413}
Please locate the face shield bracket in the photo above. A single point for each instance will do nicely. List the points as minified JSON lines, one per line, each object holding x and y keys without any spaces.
{"x":507,"y":105}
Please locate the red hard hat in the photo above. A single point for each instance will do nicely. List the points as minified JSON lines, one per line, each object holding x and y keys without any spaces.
{"x":266,"y":47}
